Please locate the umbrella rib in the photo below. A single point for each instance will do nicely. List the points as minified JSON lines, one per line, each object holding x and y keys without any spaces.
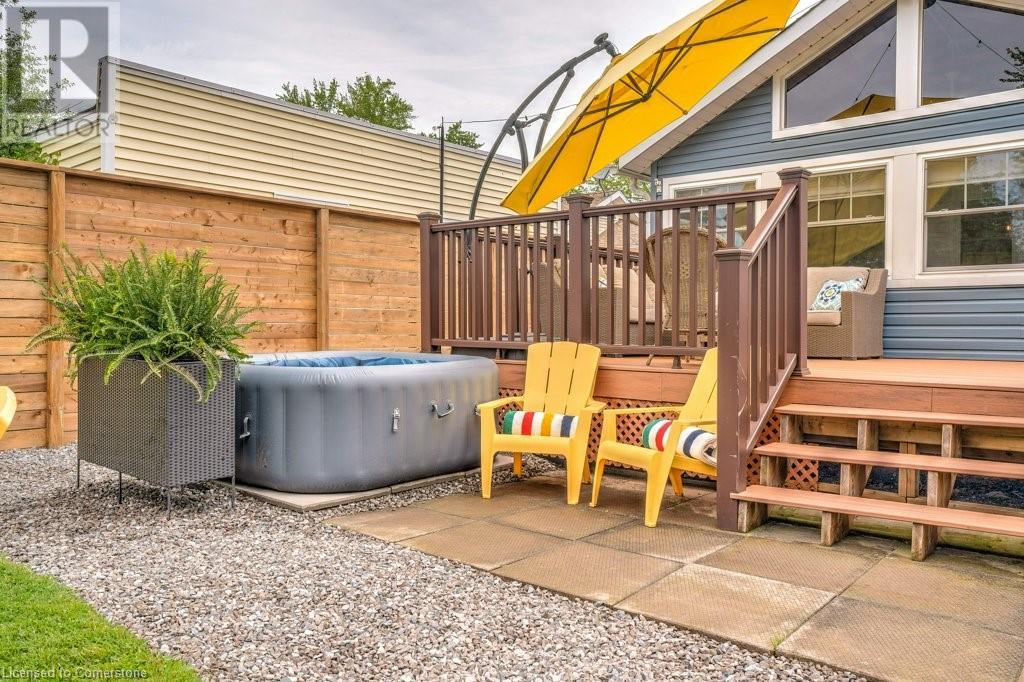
{"x":547,"y":171}
{"x":724,"y":39}
{"x":604,"y":122}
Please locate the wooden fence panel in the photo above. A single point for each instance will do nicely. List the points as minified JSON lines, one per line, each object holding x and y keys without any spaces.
{"x":324,"y":277}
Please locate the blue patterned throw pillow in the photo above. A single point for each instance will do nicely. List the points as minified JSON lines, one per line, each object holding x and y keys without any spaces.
{"x":830,"y":297}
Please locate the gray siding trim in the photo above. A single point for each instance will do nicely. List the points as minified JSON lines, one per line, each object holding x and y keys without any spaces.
{"x":977,"y":323}
{"x":742,"y":136}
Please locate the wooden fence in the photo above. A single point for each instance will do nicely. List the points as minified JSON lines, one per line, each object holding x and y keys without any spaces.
{"x":323,"y":277}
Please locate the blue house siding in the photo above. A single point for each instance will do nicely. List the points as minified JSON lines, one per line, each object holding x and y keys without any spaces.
{"x":977,"y":323}
{"x":742,"y":136}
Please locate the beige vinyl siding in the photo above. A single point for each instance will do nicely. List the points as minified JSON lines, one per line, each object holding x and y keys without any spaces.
{"x":183,"y":132}
{"x":77,"y":149}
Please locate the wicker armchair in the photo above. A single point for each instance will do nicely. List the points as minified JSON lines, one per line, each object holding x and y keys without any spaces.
{"x":855,"y":331}
{"x":680,"y":272}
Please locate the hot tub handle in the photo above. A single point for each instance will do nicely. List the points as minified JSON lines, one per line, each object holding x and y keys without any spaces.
{"x":395,"y":416}
{"x":245,"y":427}
{"x":449,"y":408}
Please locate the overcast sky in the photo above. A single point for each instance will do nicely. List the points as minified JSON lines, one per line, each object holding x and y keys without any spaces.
{"x":463,"y":59}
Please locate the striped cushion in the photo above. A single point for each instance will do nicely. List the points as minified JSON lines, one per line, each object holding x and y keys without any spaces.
{"x":693,"y":442}
{"x":520,"y":423}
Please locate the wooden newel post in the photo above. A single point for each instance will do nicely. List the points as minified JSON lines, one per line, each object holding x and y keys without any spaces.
{"x":577,"y":250}
{"x":733,"y":381}
{"x":429,"y":282}
{"x":795,"y":258}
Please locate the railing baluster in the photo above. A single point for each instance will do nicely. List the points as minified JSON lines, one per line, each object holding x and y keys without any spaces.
{"x":499,"y":283}
{"x":512,"y":303}
{"x":694,"y":273}
{"x":730,"y":226}
{"x":627,"y":271}
{"x":488,"y":297}
{"x":609,"y":276}
{"x":659,"y":279}
{"x":549,"y":282}
{"x":595,"y":279}
{"x":712,"y":280}
{"x":642,"y":281}
{"x":534,"y":282}
{"x":676,"y":275}
{"x":524,"y":301}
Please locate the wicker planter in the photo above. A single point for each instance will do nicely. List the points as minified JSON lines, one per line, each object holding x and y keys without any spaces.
{"x":156,"y":431}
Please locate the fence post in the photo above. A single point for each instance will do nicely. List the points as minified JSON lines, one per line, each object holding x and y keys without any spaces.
{"x":796,"y":263}
{"x":429,"y":282}
{"x":577,"y":251}
{"x":56,"y":362}
{"x":733,"y":381}
{"x":323,"y":279}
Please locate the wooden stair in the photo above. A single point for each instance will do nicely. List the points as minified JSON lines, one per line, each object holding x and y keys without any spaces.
{"x":838,"y":510}
{"x":885,"y":509}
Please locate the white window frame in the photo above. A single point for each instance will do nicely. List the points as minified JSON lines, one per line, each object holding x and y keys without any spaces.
{"x":905,"y":202}
{"x":922,"y":201}
{"x":670,"y":185}
{"x":909,"y":42}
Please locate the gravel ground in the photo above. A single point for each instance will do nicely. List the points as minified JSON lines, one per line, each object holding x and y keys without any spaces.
{"x":261,"y":593}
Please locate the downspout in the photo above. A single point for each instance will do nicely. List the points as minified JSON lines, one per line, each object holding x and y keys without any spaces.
{"x":106,"y":117}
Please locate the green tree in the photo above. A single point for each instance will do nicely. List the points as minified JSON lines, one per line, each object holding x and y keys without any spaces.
{"x":456,"y":134}
{"x":27,"y":101}
{"x":369,"y":98}
{"x":1016,"y":74}
{"x":609,"y":181}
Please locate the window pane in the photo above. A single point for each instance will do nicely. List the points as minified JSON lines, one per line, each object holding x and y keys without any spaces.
{"x":860,"y":244}
{"x":970,"y":49}
{"x":871,"y":206}
{"x":856,"y":77}
{"x":945,"y":171}
{"x":721,"y":212}
{"x":834,"y":209}
{"x":986,"y":194}
{"x":977,"y":239}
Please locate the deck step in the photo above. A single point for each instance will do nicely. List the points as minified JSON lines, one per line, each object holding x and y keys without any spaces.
{"x":878,"y":414}
{"x":939,"y":517}
{"x":951,"y":465}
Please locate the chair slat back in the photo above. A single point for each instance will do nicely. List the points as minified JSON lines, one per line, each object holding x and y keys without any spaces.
{"x":560,"y":376}
{"x":702,"y":403}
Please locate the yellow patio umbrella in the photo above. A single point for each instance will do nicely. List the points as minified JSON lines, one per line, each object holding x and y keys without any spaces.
{"x":646,"y":89}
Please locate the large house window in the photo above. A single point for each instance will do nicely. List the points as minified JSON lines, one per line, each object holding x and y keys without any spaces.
{"x":721,"y":212}
{"x":856,"y":77}
{"x":846,"y":219}
{"x":974,"y":210}
{"x":970,"y":49}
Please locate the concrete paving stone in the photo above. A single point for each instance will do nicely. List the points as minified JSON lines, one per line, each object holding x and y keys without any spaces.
{"x":397,"y":524}
{"x":627,"y":495}
{"x":504,"y":500}
{"x":582,"y":570}
{"x":571,"y":522}
{"x":699,"y":512}
{"x":754,"y":611}
{"x":482,"y":544}
{"x":855,"y":542}
{"x":983,"y":600}
{"x":667,"y":541}
{"x":972,"y":562}
{"x":796,"y":563}
{"x":898,"y":644}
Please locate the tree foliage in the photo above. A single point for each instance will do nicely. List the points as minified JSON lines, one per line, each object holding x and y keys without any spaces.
{"x":369,"y":98}
{"x":456,"y":134}
{"x":27,"y":101}
{"x":1016,"y":74}
{"x":613,"y":181}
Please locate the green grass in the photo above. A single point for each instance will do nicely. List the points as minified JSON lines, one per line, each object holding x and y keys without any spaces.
{"x":46,"y":629}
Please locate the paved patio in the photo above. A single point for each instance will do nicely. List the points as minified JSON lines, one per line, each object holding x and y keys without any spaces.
{"x":861,"y":605}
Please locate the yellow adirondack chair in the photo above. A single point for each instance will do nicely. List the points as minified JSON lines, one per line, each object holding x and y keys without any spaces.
{"x":8,"y":404}
{"x":559,"y":379}
{"x":700,"y":410}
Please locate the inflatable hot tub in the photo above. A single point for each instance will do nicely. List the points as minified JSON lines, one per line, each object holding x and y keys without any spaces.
{"x":331,"y":422}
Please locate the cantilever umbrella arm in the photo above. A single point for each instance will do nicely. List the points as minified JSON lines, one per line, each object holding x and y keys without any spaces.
{"x":566,"y":71}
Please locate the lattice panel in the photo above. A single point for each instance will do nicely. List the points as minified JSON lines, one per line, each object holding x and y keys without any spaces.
{"x":803,"y":474}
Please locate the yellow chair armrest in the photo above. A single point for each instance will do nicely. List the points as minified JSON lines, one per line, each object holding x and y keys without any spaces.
{"x":499,"y":403}
{"x":595,"y":406}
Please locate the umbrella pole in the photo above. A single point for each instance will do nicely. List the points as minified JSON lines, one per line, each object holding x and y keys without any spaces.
{"x":566,"y":71}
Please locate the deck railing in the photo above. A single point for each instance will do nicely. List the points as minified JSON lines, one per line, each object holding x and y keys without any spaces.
{"x":635,"y":279}
{"x":666,"y":278}
{"x":763,"y":339}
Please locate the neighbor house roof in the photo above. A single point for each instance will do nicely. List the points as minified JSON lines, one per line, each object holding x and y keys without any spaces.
{"x":805,"y":34}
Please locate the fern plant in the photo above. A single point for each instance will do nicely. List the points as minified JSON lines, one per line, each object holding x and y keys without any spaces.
{"x":159,"y":308}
